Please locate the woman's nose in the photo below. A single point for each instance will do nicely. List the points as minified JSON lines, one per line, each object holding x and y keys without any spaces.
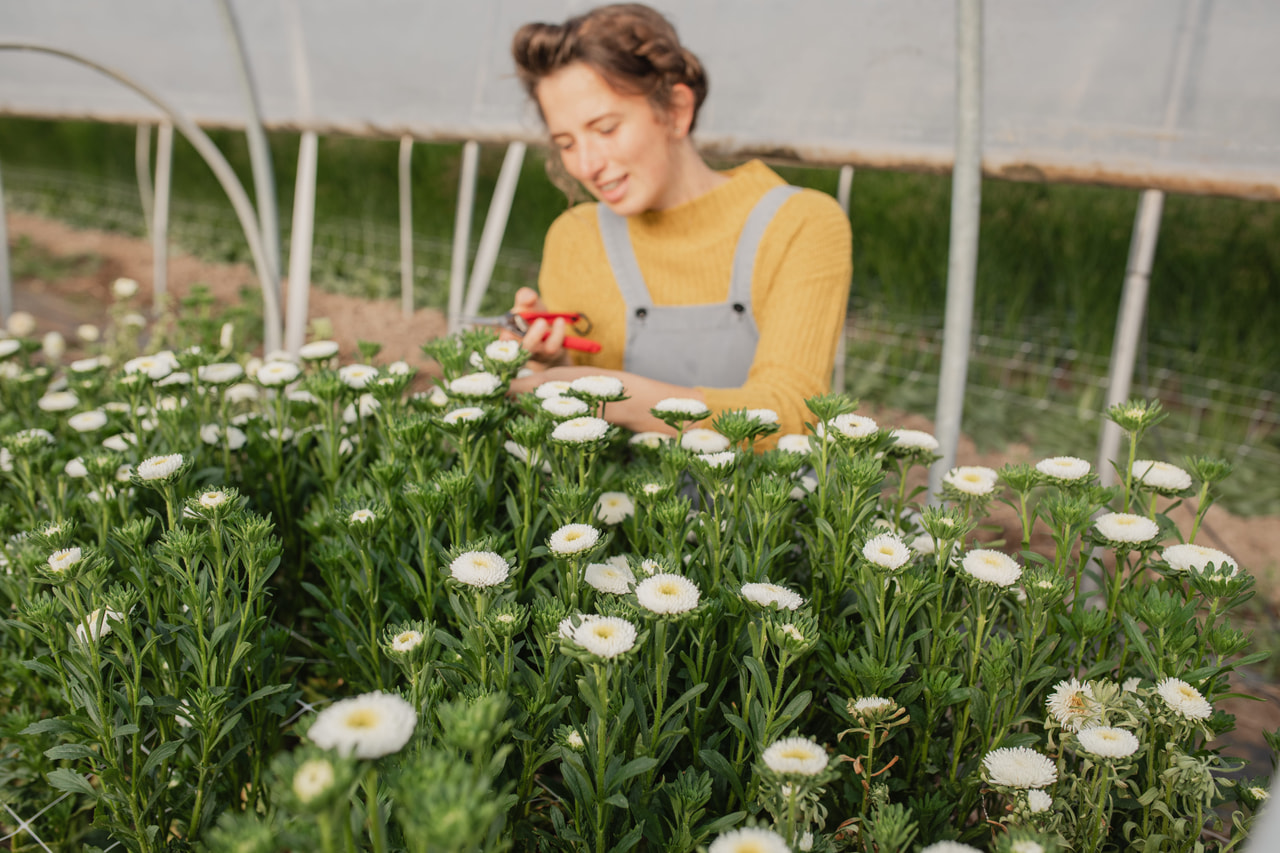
{"x":590,"y":159}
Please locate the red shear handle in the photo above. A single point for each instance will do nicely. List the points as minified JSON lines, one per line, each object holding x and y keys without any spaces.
{"x":570,"y":341}
{"x":581,"y":344}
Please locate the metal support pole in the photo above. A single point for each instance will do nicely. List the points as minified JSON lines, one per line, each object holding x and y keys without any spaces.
{"x":495,"y":224}
{"x":406,"y":227}
{"x":462,"y":232}
{"x":844,"y":195}
{"x":962,"y":267}
{"x":304,"y":216}
{"x":6,"y":278}
{"x":160,"y":223}
{"x":142,"y":165}
{"x":1133,"y":309}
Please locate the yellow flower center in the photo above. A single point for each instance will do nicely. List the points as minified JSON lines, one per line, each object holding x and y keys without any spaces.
{"x":362,"y":718}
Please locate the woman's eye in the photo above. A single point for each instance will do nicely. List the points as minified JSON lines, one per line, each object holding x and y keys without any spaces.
{"x":605,"y":131}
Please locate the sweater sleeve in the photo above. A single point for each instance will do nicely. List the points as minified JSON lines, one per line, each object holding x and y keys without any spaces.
{"x":799,"y":297}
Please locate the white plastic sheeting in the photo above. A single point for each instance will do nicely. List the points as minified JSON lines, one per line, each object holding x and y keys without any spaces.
{"x":1074,"y":91}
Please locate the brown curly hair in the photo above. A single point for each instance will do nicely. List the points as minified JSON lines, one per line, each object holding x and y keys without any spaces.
{"x":630,"y":45}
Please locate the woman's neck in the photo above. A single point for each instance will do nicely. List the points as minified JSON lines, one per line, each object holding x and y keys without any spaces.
{"x":692,"y":177}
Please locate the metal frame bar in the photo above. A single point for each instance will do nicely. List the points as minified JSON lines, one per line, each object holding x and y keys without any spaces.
{"x":300,"y":243}
{"x":142,"y":165}
{"x":495,"y":224}
{"x":6,"y":276}
{"x":844,"y":195}
{"x":406,"y":227}
{"x":462,"y":232}
{"x":160,"y":217}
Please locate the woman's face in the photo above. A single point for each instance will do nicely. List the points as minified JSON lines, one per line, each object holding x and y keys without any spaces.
{"x":623,"y":150}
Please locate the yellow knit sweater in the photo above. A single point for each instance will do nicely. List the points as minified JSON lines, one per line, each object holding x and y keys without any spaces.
{"x":798,"y":296}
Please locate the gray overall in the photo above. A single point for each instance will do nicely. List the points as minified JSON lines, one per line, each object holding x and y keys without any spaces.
{"x":712,"y":344}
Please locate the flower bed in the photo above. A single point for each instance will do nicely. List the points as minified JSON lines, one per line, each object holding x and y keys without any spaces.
{"x":292,"y":606}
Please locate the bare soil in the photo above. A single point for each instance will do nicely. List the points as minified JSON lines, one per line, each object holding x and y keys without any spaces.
{"x":83,"y":298}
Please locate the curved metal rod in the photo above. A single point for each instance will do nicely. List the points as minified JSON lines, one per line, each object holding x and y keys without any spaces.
{"x":221,"y":170}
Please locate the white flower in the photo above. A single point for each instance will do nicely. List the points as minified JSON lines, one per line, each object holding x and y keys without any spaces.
{"x":565,"y":407}
{"x":1039,"y":801}
{"x":796,"y":755}
{"x":924,"y":545}
{"x":667,"y":594}
{"x":368,"y":406}
{"x":614,"y":507}
{"x":83,"y":365}
{"x":275,"y":373}
{"x":21,"y":324}
{"x":58,"y":401}
{"x":886,"y":551}
{"x":179,"y":378}
{"x":480,"y":569}
{"x":766,"y":594}
{"x":580,"y":430}
{"x":60,"y":561}
{"x":220,"y":373}
{"x":302,"y":397}
{"x":318,"y":350}
{"x":1131,"y":684}
{"x":613,"y":576}
{"x":120,"y":443}
{"x":124,"y":473}
{"x":703,"y":440}
{"x":464,"y":415}
{"x":914,"y":439}
{"x":605,"y":636}
{"x":312,"y":779}
{"x":1064,"y":468}
{"x":973,"y":480}
{"x":1026,"y":845}
{"x":133,"y":319}
{"x":124,"y":288}
{"x":597,"y":386}
{"x":159,"y":467}
{"x":852,"y":426}
{"x":363,"y":516}
{"x":152,"y":366}
{"x":551,"y":388}
{"x":1019,"y":767}
{"x":992,"y":567}
{"x":357,"y":376}
{"x":573,"y":539}
{"x":242,"y":392}
{"x":97,"y":624}
{"x":1126,"y":527}
{"x":368,"y":726}
{"x":1184,"y":699}
{"x":872,"y":705}
{"x":723,"y":459}
{"x":651,"y":440}
{"x":90,"y":421}
{"x":482,"y":384}
{"x":503,"y":352}
{"x":406,"y":641}
{"x":1161,"y":475}
{"x":1259,"y":793}
{"x":1072,"y":704}
{"x":950,"y":847}
{"x":53,"y":345}
{"x":795,"y":443}
{"x":1191,"y":557}
{"x":749,"y":840}
{"x":764,"y":416}
{"x":213,"y":499}
{"x":1108,"y":741}
{"x":804,"y":487}
{"x":75,"y":468}
{"x":8,"y":346}
{"x":694,"y":410}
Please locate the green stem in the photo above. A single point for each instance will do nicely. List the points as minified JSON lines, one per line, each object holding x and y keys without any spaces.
{"x":377,"y":831}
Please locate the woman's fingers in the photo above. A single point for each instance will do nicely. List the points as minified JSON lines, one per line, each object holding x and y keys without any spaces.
{"x":545,"y":340}
{"x":527,"y":299}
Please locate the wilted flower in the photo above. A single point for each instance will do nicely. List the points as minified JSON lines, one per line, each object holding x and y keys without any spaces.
{"x":90,"y":421}
{"x":615,"y":507}
{"x":1065,"y":469}
{"x":1072,"y":704}
{"x":368,"y":726}
{"x":1184,"y":699}
{"x":766,"y":594}
{"x":886,"y":551}
{"x":795,"y":756}
{"x":605,"y":636}
{"x":1191,"y":557}
{"x":1108,"y":741}
{"x":1019,"y":767}
{"x":580,"y":430}
{"x":1161,"y":476}
{"x":667,"y":594}
{"x":573,"y":539}
{"x":992,"y":567}
{"x":480,"y":569}
{"x":704,"y":440}
{"x":1126,"y":528}
{"x":974,"y":480}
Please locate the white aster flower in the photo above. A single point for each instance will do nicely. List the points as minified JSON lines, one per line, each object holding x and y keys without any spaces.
{"x":275,"y":373}
{"x":605,"y":636}
{"x":1161,"y":476}
{"x":97,"y":624}
{"x":1072,"y":704}
{"x":1019,"y":767}
{"x":872,"y":705}
{"x":60,"y":561}
{"x":312,"y":779}
{"x":90,"y":421}
{"x":766,"y":594}
{"x":178,"y":378}
{"x":651,"y":440}
{"x":992,"y":567}
{"x":482,"y":384}
{"x":693,"y":410}
{"x":764,"y":416}
{"x":120,"y":443}
{"x":159,"y":467}
{"x":75,"y":468}
{"x":704,"y":440}
{"x":503,"y":352}
{"x":1066,"y":469}
{"x":241,"y":392}
{"x":9,"y":346}
{"x":851,"y":426}
{"x":399,"y":368}
{"x":1259,"y":793}
{"x":368,"y":726}
{"x":406,"y":641}
{"x":612,"y":576}
{"x":795,"y":756}
{"x":220,"y":373}
{"x":914,"y":439}
{"x":551,"y":388}
{"x":151,"y":366}
{"x":717,"y":461}
{"x":134,"y":320}
{"x":886,"y":551}
{"x":363,"y":516}
{"x":1184,"y":699}
{"x":667,"y":594}
{"x":615,"y":507}
{"x":975,"y":480}
{"x":302,"y":397}
{"x":597,"y":386}
{"x":804,"y":487}
{"x":749,"y":840}
{"x":318,"y":350}
{"x":1026,"y":845}
{"x":1038,"y":801}
{"x":1108,"y":741}
{"x":464,"y":415}
{"x":573,"y":539}
{"x":565,"y":407}
{"x":84,"y":365}
{"x":124,"y":288}
{"x":213,"y":499}
{"x":580,"y":430}
{"x":1196,"y":558}
{"x":357,"y":376}
{"x":58,"y":401}
{"x":1126,"y":527}
{"x":368,"y":406}
{"x":480,"y":569}
{"x":795,"y":443}
{"x":950,"y":847}
{"x":54,"y":346}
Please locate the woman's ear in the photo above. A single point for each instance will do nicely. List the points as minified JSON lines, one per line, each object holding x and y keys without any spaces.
{"x":681,"y":109}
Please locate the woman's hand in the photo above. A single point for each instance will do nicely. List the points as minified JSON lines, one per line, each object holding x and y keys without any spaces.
{"x":543,"y":340}
{"x":633,"y":413}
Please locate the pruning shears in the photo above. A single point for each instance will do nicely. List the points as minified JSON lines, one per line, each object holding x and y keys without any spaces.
{"x":519,"y":321}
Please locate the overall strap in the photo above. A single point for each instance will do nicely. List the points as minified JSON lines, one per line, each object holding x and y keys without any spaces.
{"x":622,"y":258}
{"x":744,"y":256}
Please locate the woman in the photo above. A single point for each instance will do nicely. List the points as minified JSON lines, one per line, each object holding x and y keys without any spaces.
{"x":727,"y":287}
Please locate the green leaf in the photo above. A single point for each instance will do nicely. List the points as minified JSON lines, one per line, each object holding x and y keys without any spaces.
{"x":65,"y":779}
{"x":618,"y":800}
{"x":70,"y":752}
{"x":633,"y":768}
{"x":159,"y":755}
{"x":50,"y":725}
{"x":720,"y":766}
